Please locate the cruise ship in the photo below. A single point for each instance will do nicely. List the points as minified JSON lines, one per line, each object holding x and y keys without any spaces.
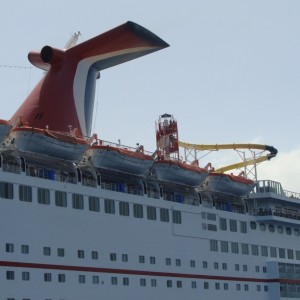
{"x":87,"y":219}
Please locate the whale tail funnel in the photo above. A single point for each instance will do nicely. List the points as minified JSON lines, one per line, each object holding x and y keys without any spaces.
{"x":65,"y":95}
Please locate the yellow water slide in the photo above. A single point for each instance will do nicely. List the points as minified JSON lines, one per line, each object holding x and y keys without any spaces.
{"x":206,"y":147}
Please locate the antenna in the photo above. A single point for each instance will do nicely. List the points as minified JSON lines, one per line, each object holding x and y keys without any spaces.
{"x":73,"y":40}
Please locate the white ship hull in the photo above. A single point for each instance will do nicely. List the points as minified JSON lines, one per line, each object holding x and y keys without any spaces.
{"x":54,"y":252}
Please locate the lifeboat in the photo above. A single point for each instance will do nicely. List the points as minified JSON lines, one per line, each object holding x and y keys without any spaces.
{"x":4,"y":129}
{"x":119,"y":159}
{"x":229,"y":184}
{"x":179,"y":172}
{"x":44,"y":142}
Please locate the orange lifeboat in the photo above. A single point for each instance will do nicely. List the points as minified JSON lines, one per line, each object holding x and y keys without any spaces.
{"x":229,"y":184}
{"x":44,"y":142}
{"x":118,"y":158}
{"x":179,"y":172}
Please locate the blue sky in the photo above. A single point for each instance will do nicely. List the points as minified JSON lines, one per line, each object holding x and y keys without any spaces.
{"x":230,"y":75}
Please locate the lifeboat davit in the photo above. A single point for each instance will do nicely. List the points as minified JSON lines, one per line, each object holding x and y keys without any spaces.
{"x":4,"y":129}
{"x":229,"y":184}
{"x":44,"y":142}
{"x":179,"y":172}
{"x":119,"y":159}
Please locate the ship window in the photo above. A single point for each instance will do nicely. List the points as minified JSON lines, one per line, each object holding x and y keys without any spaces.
{"x":60,"y":198}
{"x":151,"y":213}
{"x":281,"y":253}
{"x":152,"y":260}
{"x":238,"y":286}
{"x":25,"y":276}
{"x":206,"y":285}
{"x":280,"y":229}
{"x":47,"y":277}
{"x":233,"y":225}
{"x":168,"y":261}
{"x":194,"y":284}
{"x":153,"y":282}
{"x":216,"y":265}
{"x":176,"y":217}
{"x":113,"y":256}
{"x":264,"y":250}
{"x":245,"y":268}
{"x":243,"y":227}
{"x":211,"y":217}
{"x":6,"y":190}
{"x":237,"y":267}
{"x":43,"y":196}
{"x":192,"y":263}
{"x":95,"y":279}
{"x":169,"y":283}
{"x":124,"y":208}
{"x":80,"y":253}
{"x":94,"y":204}
{"x":217,"y":285}
{"x":297,"y":254}
{"x":125,"y":281}
{"x":81,"y":278}
{"x":271,"y":228}
{"x":224,"y":266}
{"x":246,"y":287}
{"x":290,"y":254}
{"x":273,"y":252}
{"x":25,"y":193}
{"x":24,"y":249}
{"x":177,"y":262}
{"x":257,"y":269}
{"x":109,"y":206}
{"x":47,"y":251}
{"x":225,"y":286}
{"x":114,"y":280}
{"x":223,"y":224}
{"x":212,"y":227}
{"x":138,"y":210}
{"x":245,"y":249}
{"x":141,"y":259}
{"x":164,"y":215}
{"x":258,"y":288}
{"x":9,"y":248}
{"x":204,"y":264}
{"x":296,"y":232}
{"x":262,"y":226}
{"x":213,"y":245}
{"x":254,"y":249}
{"x":124,"y":257}
{"x":266,"y":289}
{"x":288,"y":231}
{"x":253,"y":225}
{"x":264,"y":269}
{"x":61,"y":278}
{"x":224,"y":246}
{"x":60,"y":252}
{"x":10,"y":275}
{"x":77,"y":201}
{"x":94,"y":254}
{"x":179,"y":283}
{"x":142,"y":282}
